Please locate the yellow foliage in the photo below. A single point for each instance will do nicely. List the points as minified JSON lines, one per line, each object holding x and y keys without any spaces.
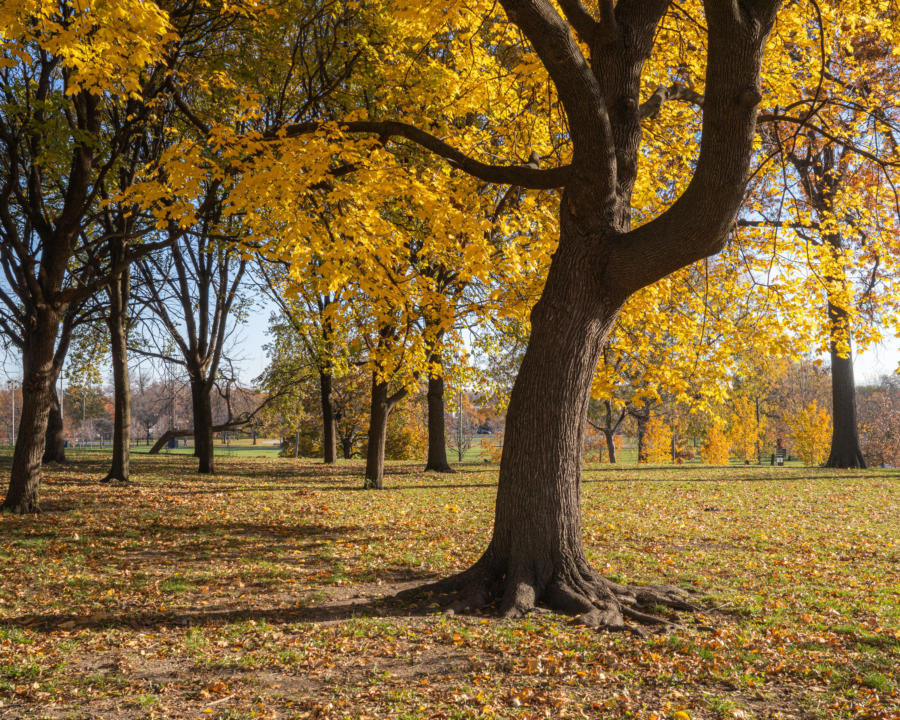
{"x":717,"y":449}
{"x":811,"y":432}
{"x":746,"y":432}
{"x":407,"y":433}
{"x":657,"y":441}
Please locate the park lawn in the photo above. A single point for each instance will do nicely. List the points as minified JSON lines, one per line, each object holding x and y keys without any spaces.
{"x":265,"y":591}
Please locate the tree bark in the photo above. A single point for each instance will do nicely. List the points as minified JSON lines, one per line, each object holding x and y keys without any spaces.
{"x":611,"y":446}
{"x":204,"y":447}
{"x":347,"y":447}
{"x":437,"y":441}
{"x":328,"y":421}
{"x":116,"y":322}
{"x":845,"y":451}
{"x":39,"y":374}
{"x":642,"y":416}
{"x":536,"y":551}
{"x":382,"y":406}
{"x":54,"y":442}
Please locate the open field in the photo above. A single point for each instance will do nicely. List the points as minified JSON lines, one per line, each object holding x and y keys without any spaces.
{"x":269,"y":448}
{"x":266,"y":592}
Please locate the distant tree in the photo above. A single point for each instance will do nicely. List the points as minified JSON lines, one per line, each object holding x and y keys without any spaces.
{"x":745,"y":430}
{"x":879,"y":422}
{"x":658,"y":441}
{"x":148,"y":401}
{"x":462,"y":427}
{"x":717,"y":449}
{"x":811,"y":433}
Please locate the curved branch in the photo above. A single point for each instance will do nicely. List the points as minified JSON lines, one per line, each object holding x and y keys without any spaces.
{"x":525,"y":176}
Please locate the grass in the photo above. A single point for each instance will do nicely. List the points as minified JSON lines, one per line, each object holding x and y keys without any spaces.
{"x":266,"y":591}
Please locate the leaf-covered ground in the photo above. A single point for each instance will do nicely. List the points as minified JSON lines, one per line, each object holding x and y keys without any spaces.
{"x":265,"y":592}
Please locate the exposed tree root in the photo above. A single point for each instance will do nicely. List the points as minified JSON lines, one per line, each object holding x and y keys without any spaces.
{"x":593,"y":600}
{"x":445,"y":468}
{"x":20,"y":508}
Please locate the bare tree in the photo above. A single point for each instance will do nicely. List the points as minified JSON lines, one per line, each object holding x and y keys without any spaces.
{"x":193,"y":289}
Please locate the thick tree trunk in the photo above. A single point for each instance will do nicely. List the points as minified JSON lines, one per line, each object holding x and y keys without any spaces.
{"x":845,"y":450}
{"x":437,"y":441}
{"x":37,"y":387}
{"x":204,"y":448}
{"x":328,"y":421}
{"x":121,"y":459}
{"x":54,"y":441}
{"x":611,"y":446}
{"x":536,"y":552}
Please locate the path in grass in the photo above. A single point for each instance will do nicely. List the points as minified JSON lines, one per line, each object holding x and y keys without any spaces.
{"x":263,"y":592}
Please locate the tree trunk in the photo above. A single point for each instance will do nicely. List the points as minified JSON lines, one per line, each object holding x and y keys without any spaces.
{"x":54,"y":442}
{"x":641,"y":417}
{"x":378,"y":418}
{"x":328,"y":421}
{"x":121,"y":459}
{"x":382,"y":405}
{"x":845,"y":450}
{"x":347,"y":447}
{"x":611,"y":446}
{"x":536,"y":552}
{"x":437,"y":441}
{"x":37,"y":386}
{"x":204,"y":448}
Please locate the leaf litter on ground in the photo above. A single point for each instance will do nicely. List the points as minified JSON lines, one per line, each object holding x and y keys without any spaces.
{"x":267,"y":591}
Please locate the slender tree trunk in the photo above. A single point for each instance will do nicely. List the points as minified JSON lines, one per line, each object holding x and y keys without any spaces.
{"x":347,"y":447}
{"x":328,"y":421}
{"x":37,"y":386}
{"x":54,"y":442}
{"x":611,"y":446}
{"x":116,"y":322}
{"x":845,"y":450}
{"x":204,"y":448}
{"x":642,"y":419}
{"x":382,"y":405}
{"x":437,"y":441}
{"x":378,"y":418}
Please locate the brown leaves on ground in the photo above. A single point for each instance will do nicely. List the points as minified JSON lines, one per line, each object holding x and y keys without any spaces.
{"x":266,"y":591}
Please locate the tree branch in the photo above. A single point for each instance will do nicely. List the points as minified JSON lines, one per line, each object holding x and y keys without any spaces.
{"x":651,"y":107}
{"x":523,"y":175}
{"x":581,"y":19}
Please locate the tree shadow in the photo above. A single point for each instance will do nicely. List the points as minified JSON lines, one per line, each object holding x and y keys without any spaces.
{"x":361,"y":600}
